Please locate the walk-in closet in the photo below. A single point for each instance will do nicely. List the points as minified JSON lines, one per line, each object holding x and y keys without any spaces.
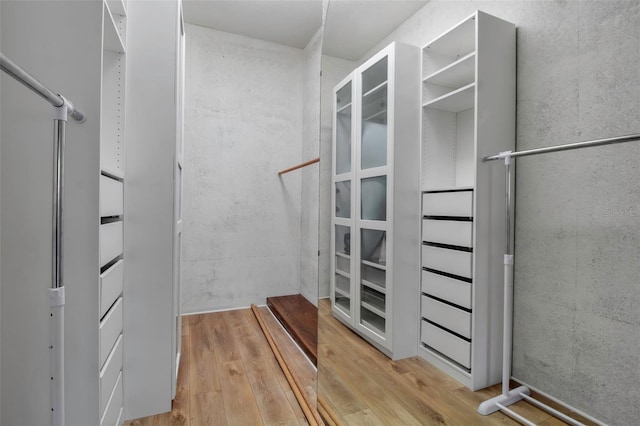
{"x":319,"y":212}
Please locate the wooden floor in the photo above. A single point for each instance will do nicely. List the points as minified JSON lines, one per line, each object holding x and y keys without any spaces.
{"x":300,"y":318}
{"x":229,"y":376}
{"x":364,"y":387}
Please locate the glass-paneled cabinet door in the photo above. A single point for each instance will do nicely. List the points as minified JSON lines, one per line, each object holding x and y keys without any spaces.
{"x":343,"y":125}
{"x":342,"y":271}
{"x":373,"y":132}
{"x":373,"y":281}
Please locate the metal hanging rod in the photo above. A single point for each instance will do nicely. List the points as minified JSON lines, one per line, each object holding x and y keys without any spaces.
{"x":15,"y":71}
{"x":566,"y":147}
{"x":299,"y":166}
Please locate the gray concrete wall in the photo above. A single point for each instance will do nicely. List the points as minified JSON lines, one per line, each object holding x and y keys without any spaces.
{"x":310,"y":184}
{"x":577,"y":275}
{"x":243,"y":123}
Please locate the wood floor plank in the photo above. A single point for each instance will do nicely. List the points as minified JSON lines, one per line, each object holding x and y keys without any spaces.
{"x":207,"y":409}
{"x":266,"y":387}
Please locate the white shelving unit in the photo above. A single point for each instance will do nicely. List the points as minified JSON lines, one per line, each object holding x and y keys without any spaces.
{"x":111,"y":233}
{"x":468,"y":111}
{"x":375,"y":176}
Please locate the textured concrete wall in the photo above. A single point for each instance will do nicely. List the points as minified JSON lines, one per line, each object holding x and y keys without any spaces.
{"x":577,"y":275}
{"x":310,"y":175}
{"x":243,"y":123}
{"x":333,"y":71}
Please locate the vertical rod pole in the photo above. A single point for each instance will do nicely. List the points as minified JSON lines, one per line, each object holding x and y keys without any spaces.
{"x":508,"y":288}
{"x":56,"y":292}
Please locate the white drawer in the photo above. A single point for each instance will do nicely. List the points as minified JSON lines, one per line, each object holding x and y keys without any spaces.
{"x":111,"y":285}
{"x":109,"y":374}
{"x":459,"y":203}
{"x":110,"y":329}
{"x":111,"y":197}
{"x":110,"y":242}
{"x":113,"y":412}
{"x":445,"y":260}
{"x":449,"y":317}
{"x":457,"y":233}
{"x":111,"y":415}
{"x":454,"y":347}
{"x":449,"y":289}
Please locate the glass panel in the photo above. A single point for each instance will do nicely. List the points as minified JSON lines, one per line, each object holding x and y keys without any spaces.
{"x":373,"y":192}
{"x":373,"y":246}
{"x":343,"y":240}
{"x":342,"y":293}
{"x":372,"y":321}
{"x":343,"y":199}
{"x":343,"y":96}
{"x":374,"y":116}
{"x":343,"y":264}
{"x":373,"y":277}
{"x":343,"y":130}
{"x":375,"y":75}
{"x":373,"y":300}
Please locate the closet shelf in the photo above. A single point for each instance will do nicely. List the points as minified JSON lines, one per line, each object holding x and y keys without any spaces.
{"x":343,"y":255}
{"x":374,"y":265}
{"x":342,"y":108}
{"x":446,"y":188}
{"x":119,"y":7}
{"x":375,"y":89}
{"x":455,"y":75}
{"x":373,"y":309}
{"x":344,"y":274}
{"x":112,"y":40}
{"x":374,"y":286}
{"x":342,"y":292}
{"x":374,"y":323}
{"x":458,"y":41}
{"x":456,"y":101}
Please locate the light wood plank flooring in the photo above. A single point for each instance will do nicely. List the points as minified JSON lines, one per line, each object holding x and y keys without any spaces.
{"x":229,"y":376}
{"x":364,"y":387}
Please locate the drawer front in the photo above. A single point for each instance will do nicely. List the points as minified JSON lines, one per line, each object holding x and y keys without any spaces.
{"x":111,"y":415}
{"x":449,"y":289}
{"x":110,"y":329}
{"x":110,"y":242}
{"x":457,"y":233}
{"x":458,"y":203}
{"x":449,"y":317}
{"x":111,"y":197}
{"x":454,"y":347}
{"x":109,"y":374}
{"x":445,"y":260}
{"x":111,"y":285}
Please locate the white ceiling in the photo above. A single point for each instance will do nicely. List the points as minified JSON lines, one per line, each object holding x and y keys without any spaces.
{"x":288,"y":22}
{"x":353,"y":27}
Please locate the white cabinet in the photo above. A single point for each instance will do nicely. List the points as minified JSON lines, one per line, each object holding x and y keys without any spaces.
{"x":375,"y":202}
{"x":109,"y":307}
{"x":468,"y":111}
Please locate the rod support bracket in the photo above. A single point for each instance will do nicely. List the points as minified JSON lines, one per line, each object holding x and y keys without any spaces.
{"x":508,"y":259}
{"x":506,"y":155}
{"x":62,"y":112}
{"x":56,"y":297}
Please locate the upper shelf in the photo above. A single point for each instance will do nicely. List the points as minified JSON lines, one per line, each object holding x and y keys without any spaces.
{"x":458,"y":41}
{"x":112,"y":40}
{"x":455,"y":75}
{"x":119,"y":7}
{"x":456,"y":101}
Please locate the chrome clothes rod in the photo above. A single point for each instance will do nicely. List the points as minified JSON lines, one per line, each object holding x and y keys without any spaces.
{"x":511,"y":396}
{"x":63,"y":108}
{"x":15,"y":71}
{"x":566,"y":147}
